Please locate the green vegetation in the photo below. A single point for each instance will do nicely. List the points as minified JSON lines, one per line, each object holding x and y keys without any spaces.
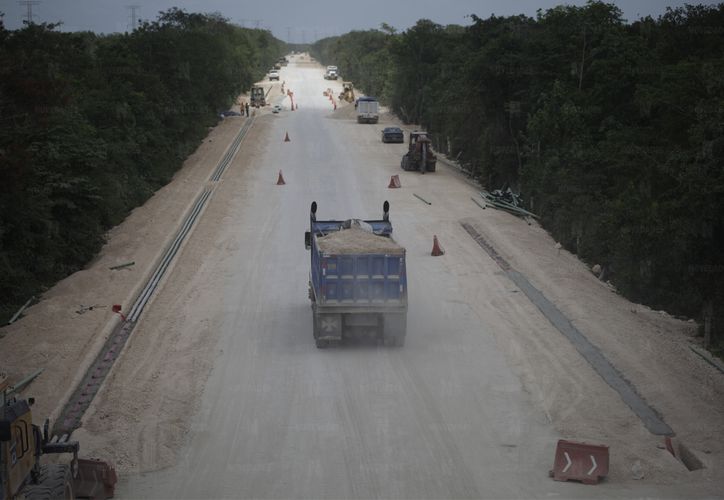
{"x":93,"y":125}
{"x":613,"y":131}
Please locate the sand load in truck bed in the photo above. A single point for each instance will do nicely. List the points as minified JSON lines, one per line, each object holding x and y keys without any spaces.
{"x":357,"y":240}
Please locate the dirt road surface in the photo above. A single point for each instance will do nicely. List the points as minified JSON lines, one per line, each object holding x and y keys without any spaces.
{"x":221,"y":392}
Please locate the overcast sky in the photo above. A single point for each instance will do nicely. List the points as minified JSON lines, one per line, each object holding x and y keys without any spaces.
{"x":297,"y":20}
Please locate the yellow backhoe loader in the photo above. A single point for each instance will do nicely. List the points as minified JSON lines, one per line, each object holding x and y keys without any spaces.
{"x":22,"y":446}
{"x":347,"y":93}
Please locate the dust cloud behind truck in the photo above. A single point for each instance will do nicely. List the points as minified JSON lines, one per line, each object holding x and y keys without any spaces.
{"x":357,"y":281}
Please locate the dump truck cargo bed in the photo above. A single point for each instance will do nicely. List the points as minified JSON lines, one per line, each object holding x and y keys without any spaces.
{"x":358,"y":281}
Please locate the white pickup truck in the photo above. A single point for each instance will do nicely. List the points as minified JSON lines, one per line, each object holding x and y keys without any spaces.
{"x":331,"y":73}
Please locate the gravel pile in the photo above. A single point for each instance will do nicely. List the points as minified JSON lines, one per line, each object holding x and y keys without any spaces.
{"x":357,"y":240}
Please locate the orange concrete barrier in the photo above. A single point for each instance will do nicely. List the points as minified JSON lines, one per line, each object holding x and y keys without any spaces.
{"x":578,"y":461}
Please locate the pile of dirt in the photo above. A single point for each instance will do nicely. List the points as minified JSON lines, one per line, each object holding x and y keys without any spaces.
{"x":357,"y":240}
{"x":345,"y":111}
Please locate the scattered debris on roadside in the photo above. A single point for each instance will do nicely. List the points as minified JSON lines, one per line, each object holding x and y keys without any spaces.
{"x":20,"y":311}
{"x":507,"y":200}
{"x":421,"y":198}
{"x":122,"y":266}
{"x":84,"y":309}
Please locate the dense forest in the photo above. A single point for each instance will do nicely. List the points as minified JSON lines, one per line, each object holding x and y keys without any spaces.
{"x":613,"y":131}
{"x":92,"y":125}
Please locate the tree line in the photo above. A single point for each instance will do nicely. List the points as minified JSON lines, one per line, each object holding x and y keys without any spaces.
{"x":93,"y":125}
{"x":613,"y":131}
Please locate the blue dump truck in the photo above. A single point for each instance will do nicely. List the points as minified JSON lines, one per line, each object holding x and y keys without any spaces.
{"x":357,"y":283}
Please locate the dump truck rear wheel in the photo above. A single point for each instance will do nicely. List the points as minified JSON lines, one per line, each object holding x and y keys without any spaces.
{"x":393,"y":340}
{"x":395,"y":328}
{"x":55,"y":481}
{"x":315,"y":323}
{"x":389,"y":341}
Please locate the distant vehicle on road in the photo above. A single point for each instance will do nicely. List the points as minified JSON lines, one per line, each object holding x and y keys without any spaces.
{"x":331,"y":73}
{"x":419,"y":155}
{"x":274,"y":75}
{"x":393,"y":134}
{"x":358,"y":280}
{"x":258,"y":97}
{"x":277,"y":108}
{"x":368,"y":110}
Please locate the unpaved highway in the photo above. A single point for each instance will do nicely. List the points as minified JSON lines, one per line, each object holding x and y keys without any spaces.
{"x":221,"y":392}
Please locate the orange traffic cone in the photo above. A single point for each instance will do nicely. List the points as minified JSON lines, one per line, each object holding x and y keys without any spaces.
{"x":436,"y":248}
{"x":280,"y":179}
{"x":395,"y":182}
{"x":286,"y":137}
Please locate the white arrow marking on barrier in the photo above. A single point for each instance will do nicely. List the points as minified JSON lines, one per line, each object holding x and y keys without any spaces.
{"x":568,"y":459}
{"x":593,"y":460}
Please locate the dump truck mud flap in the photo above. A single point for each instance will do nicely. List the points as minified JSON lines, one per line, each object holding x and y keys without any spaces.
{"x":327,"y":328}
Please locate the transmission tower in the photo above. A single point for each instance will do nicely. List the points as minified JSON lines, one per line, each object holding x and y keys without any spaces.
{"x":289,"y":34}
{"x":29,"y":6}
{"x":133,"y":15}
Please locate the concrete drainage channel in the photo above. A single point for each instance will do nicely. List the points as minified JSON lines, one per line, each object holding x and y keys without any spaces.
{"x":649,"y":417}
{"x":80,"y":400}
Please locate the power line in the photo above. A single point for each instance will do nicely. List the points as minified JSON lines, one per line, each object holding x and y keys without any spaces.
{"x":29,"y":5}
{"x":134,"y":18}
